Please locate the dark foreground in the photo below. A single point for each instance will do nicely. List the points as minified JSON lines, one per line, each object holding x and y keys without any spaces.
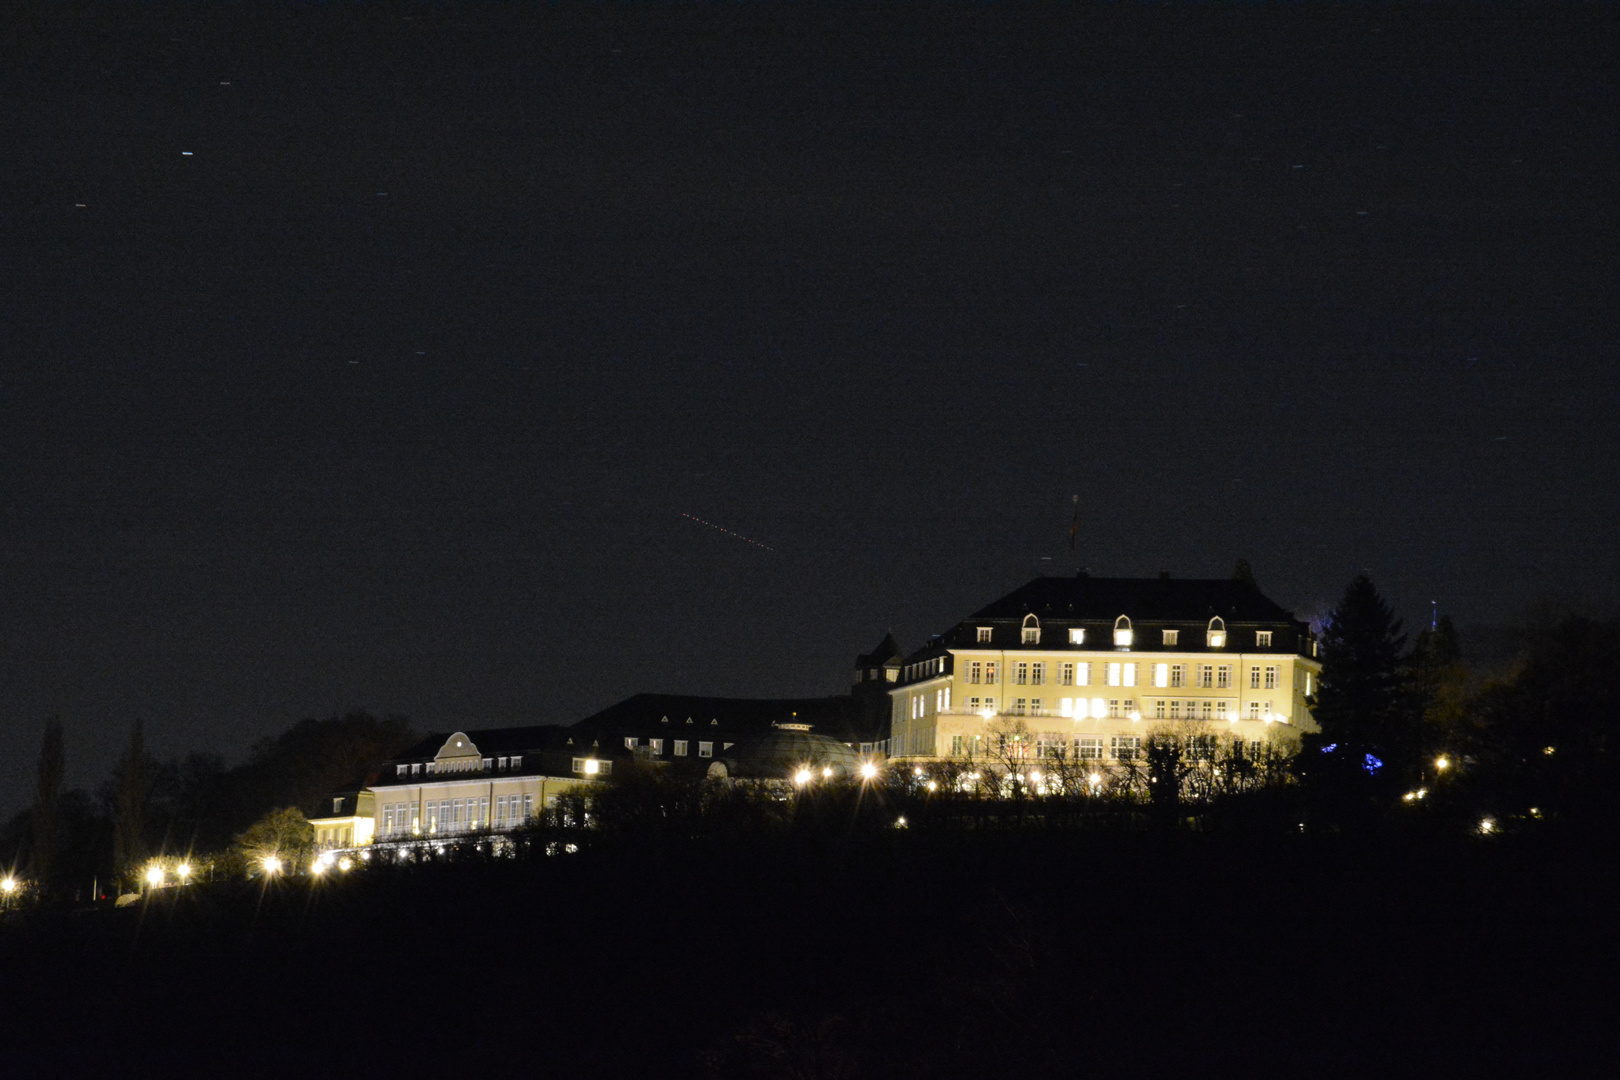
{"x":895,"y":956}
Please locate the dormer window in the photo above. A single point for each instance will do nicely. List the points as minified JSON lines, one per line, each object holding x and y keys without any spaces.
{"x":1122,"y":633}
{"x":1032,"y":630}
{"x":982,"y":635}
{"x":1262,"y":639}
{"x":1215,"y":636}
{"x":399,"y":770}
{"x":517,"y":761}
{"x":1170,"y":636}
{"x":1077,"y":635}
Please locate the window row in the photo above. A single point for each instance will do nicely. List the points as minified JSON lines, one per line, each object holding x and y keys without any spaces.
{"x":1124,"y":634}
{"x":1121,"y":673}
{"x":680,"y":746}
{"x":514,"y":761}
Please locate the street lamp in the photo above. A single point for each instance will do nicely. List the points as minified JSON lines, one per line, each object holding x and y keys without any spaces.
{"x":154,"y":875}
{"x":183,"y":872}
{"x":272,"y":865}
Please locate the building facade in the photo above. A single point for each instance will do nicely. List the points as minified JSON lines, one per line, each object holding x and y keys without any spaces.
{"x":473,"y":781}
{"x":1084,"y":666}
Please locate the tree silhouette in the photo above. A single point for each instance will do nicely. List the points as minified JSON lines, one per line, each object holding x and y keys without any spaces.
{"x":45,"y":819}
{"x":1369,"y":740}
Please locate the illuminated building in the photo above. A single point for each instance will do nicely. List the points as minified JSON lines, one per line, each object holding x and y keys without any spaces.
{"x":349,"y":824}
{"x":1085,"y":666}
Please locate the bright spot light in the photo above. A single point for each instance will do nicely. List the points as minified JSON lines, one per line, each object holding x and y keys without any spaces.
{"x":899,"y":823}
{"x":272,"y":865}
{"x":917,"y":771}
{"x":868,"y":771}
{"x":591,"y":766}
{"x":319,"y":868}
{"x":1094,"y":778}
{"x":1549,"y":750}
{"x":183,"y":871}
{"x":932,"y":785}
{"x":344,"y":864}
{"x":826,"y":772}
{"x":1035,"y":775}
{"x":802,"y":777}
{"x":9,"y":883}
{"x":1442,"y":763}
{"x":154,"y":875}
{"x":1487,"y":825}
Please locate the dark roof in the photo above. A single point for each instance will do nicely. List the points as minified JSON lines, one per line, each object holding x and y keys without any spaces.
{"x":734,"y":718}
{"x":1161,"y":599}
{"x":490,"y":741}
{"x":887,"y":649}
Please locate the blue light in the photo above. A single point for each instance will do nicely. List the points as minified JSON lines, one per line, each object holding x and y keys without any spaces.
{"x":1372,"y":764}
{"x":1330,"y":747}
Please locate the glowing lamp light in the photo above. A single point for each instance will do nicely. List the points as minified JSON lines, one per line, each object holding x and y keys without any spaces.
{"x":272,"y":865}
{"x":592,"y":766}
{"x":1035,"y":776}
{"x":868,"y":771}
{"x":1442,"y":763}
{"x":899,"y":823}
{"x":802,"y":777}
{"x":826,"y":772}
{"x":183,"y":871}
{"x":344,"y":864}
{"x":917,"y":771}
{"x":1549,"y":750}
{"x":932,"y":786}
{"x":1487,"y":826}
{"x":8,"y":884}
{"x":1095,"y":779}
{"x":154,"y":875}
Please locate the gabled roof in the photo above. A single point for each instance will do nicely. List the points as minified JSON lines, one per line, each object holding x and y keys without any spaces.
{"x":887,"y":649}
{"x":1161,"y":599}
{"x":502,"y":741}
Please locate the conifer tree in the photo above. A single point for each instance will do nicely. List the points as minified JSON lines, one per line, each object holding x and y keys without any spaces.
{"x":1362,"y":703}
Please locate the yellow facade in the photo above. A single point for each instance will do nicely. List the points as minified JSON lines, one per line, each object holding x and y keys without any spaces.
{"x":346,"y":830}
{"x":1084,"y":700}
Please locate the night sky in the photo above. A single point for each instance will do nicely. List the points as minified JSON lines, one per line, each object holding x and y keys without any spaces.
{"x":383,"y":357}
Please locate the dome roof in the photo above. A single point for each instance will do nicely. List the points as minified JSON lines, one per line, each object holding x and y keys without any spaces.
{"x":786,"y":748}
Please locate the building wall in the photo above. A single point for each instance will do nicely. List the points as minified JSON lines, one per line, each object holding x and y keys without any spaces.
{"x":1075,"y":694}
{"x":474,"y":802}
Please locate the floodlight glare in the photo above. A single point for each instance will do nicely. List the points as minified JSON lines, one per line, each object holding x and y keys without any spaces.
{"x":154,"y":875}
{"x":272,"y":865}
{"x":868,"y":771}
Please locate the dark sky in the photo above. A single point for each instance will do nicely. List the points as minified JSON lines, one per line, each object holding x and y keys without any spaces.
{"x":390,"y":346}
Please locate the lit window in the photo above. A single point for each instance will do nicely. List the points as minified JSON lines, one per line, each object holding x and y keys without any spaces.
{"x":1170,"y":636}
{"x":1122,"y":632}
{"x":1215,"y":636}
{"x":1161,"y":674}
{"x":1077,"y":636}
{"x":983,"y":635}
{"x":1130,"y":674}
{"x":680,"y":747}
{"x":705,"y":749}
{"x":1262,"y":639}
{"x":989,"y":672}
{"x":1031,"y":634}
{"x":1066,"y":706}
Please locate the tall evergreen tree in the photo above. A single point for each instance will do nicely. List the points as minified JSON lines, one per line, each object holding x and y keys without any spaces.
{"x":134,"y":782}
{"x":47,"y":802}
{"x":1362,"y":703}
